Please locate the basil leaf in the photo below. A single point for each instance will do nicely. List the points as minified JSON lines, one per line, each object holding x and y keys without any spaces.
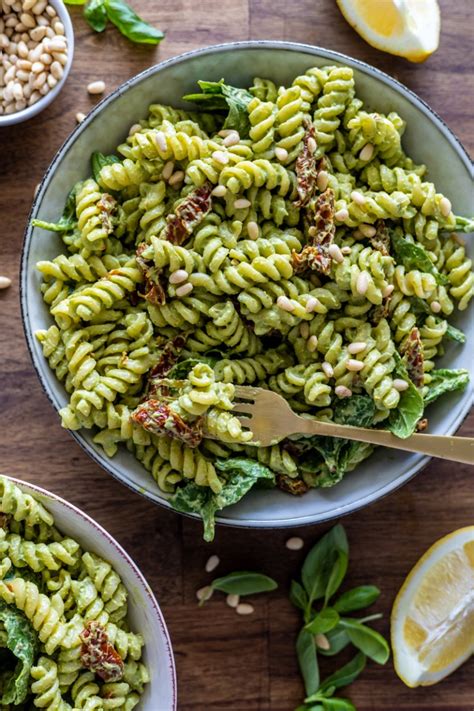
{"x":68,"y":219}
{"x":308,"y":661}
{"x":244,"y":583}
{"x":338,"y":640}
{"x":243,"y":474}
{"x":357,"y":598}
{"x":414,"y":256}
{"x":338,"y":704}
{"x":445,"y":380}
{"x":358,"y":410}
{"x":323,"y":622}
{"x":99,"y":160}
{"x":96,"y":15}
{"x":455,"y":334}
{"x":180,"y":370}
{"x":130,"y":24}
{"x":464,"y":224}
{"x":346,"y":674}
{"x":319,"y":562}
{"x":22,"y":642}
{"x":298,"y":596}
{"x":402,"y":421}
{"x":367,"y":640}
{"x":218,"y":96}
{"x":337,"y":575}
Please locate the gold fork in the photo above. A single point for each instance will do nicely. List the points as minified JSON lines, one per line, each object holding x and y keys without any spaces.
{"x":270,"y":418}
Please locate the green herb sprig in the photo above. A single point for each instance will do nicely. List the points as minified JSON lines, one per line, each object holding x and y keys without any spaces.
{"x":241,"y":583}
{"x":99,"y":12}
{"x":327,"y":630}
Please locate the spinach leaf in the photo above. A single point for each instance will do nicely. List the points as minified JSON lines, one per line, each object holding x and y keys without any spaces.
{"x":403,"y":419}
{"x":421,"y":307}
{"x":130,"y":24}
{"x":298,"y":596}
{"x":308,"y":661}
{"x":98,"y":161}
{"x":455,"y":334}
{"x":320,"y":561}
{"x":323,"y":622}
{"x":243,"y":473}
{"x":96,"y":15}
{"x":370,"y":642}
{"x":356,"y":599}
{"x":218,"y":96}
{"x":244,"y":583}
{"x":346,"y":674}
{"x":445,"y":380}
{"x":338,"y":640}
{"x":358,"y":410}
{"x":68,"y":219}
{"x":414,"y":256}
{"x":338,"y":704}
{"x":23,"y":643}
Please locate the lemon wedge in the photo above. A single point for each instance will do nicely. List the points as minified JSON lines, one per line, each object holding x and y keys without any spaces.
{"x":432,"y":624}
{"x":408,"y":28}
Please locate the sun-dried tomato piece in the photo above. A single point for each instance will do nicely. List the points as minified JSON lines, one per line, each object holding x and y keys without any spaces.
{"x":99,"y":655}
{"x":296,"y":487}
{"x":305,"y":167}
{"x":188,"y":214}
{"x":107,"y":206}
{"x":321,"y":229}
{"x":382,"y":311}
{"x":381,"y":239}
{"x":413,"y":357}
{"x":154,"y":416}
{"x":154,"y":292}
{"x":168,"y":356}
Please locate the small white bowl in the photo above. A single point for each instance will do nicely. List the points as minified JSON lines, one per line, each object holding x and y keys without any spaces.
{"x":144,"y":613}
{"x":30,"y":111}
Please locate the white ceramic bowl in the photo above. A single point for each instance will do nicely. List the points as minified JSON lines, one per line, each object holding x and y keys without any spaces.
{"x":427,"y":140}
{"x":30,"y":111}
{"x":144,"y":613}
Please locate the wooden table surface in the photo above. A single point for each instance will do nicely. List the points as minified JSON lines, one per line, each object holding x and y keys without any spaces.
{"x":227,"y":662}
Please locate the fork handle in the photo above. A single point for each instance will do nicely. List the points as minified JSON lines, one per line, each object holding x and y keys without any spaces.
{"x":456,"y":449}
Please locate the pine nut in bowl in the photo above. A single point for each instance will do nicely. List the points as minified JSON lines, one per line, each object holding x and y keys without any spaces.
{"x":204,"y":281}
{"x":37,"y":48}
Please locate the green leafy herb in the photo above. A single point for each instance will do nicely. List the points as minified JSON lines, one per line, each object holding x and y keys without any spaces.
{"x":455,"y":334}
{"x":242,"y":475}
{"x":356,"y":599}
{"x":422,"y":308}
{"x":308,"y":661}
{"x":96,"y":15}
{"x":180,"y":370}
{"x":320,"y":561}
{"x":337,"y":639}
{"x":244,"y":583}
{"x":323,"y":622}
{"x":445,"y":380}
{"x":218,"y":96}
{"x":68,"y":219}
{"x":403,"y":419}
{"x":99,"y":160}
{"x":22,"y":641}
{"x":414,"y":256}
{"x":345,"y":675}
{"x":370,"y":642}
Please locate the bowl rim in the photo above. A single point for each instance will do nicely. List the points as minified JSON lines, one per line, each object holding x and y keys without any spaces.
{"x":39,"y":491}
{"x":30,"y":111}
{"x":108,"y":465}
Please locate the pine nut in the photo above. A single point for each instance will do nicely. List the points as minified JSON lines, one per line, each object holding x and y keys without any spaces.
{"x":220,"y":157}
{"x":219,"y":191}
{"x":367,"y":152}
{"x":346,"y":250}
{"x":283,"y":302}
{"x":244,"y":608}
{"x":161,"y":142}
{"x":27,"y":20}
{"x":367,"y":230}
{"x":312,"y":344}
{"x":212,"y":563}
{"x":312,"y":303}
{"x":5,"y":282}
{"x":311,"y":145}
{"x":400,"y":384}
{"x":176,"y":178}
{"x":388,"y":291}
{"x":253,"y":230}
{"x":328,"y":370}
{"x":96,"y":87}
{"x":357,"y":197}
{"x":362,"y":283}
{"x":178,"y":276}
{"x":37,"y":68}
{"x":56,"y":70}
{"x":204,"y":593}
{"x":322,"y":180}
{"x":232,"y":600}
{"x":304,"y":330}
{"x":356,"y":347}
{"x":335,"y":252}
{"x":295,"y":543}
{"x":281,"y":154}
{"x":354,"y":365}
{"x":37,"y":33}
{"x":322,"y":641}
{"x":80,"y":116}
{"x":231,"y":139}
{"x":341,"y":391}
{"x":184,"y":290}
{"x":242,"y":204}
{"x":341,"y":215}
{"x":135,"y":128}
{"x":167,"y":170}
{"x":435,"y":306}
{"x":445,"y":206}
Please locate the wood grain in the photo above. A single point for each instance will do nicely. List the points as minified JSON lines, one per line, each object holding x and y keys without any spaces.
{"x":226,"y":662}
